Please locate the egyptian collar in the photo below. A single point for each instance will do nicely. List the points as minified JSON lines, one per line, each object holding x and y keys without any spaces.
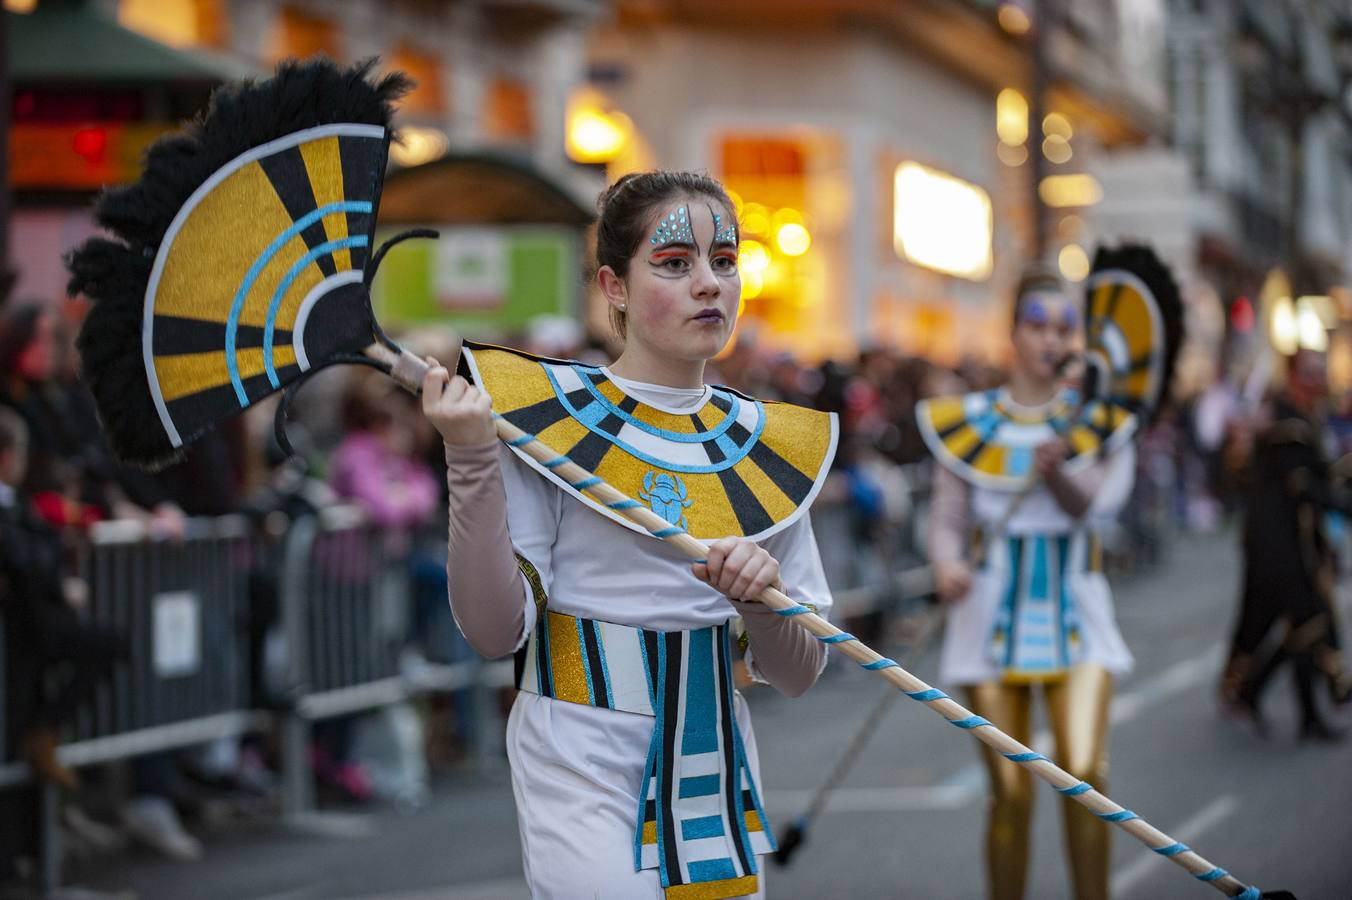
{"x":988,"y":440}
{"x":732,"y":466}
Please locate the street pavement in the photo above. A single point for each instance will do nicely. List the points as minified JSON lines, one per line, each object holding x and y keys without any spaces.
{"x":907,"y":822}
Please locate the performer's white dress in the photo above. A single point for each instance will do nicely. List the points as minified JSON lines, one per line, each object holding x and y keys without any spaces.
{"x":576,"y":769}
{"x":1039,"y":601}
{"x":966,"y":658}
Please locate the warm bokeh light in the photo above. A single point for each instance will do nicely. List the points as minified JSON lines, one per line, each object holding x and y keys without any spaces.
{"x":595,"y":133}
{"x":737,"y":204}
{"x":1282,"y":328}
{"x":753,"y":258}
{"x":1056,"y":149}
{"x":1073,"y":262}
{"x":755,"y":219}
{"x":166,"y":21}
{"x":1058,"y":125}
{"x":1070,"y":190}
{"x":1011,"y":156}
{"x":1310,"y":328}
{"x":1070,"y":227}
{"x":21,"y":6}
{"x":1313,"y":335}
{"x":1011,"y":117}
{"x":941,"y":222}
{"x":752,"y":285}
{"x":418,"y":145}
{"x":1013,"y":19}
{"x":1323,"y":306}
{"x":793,"y":239}
{"x":786,"y":216}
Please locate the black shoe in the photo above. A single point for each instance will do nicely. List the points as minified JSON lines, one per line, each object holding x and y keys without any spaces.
{"x":1319,"y":730}
{"x":1245,"y":714}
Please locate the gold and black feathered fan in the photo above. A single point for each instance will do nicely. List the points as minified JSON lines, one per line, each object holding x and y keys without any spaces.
{"x":1133,"y":328}
{"x":242,"y":257}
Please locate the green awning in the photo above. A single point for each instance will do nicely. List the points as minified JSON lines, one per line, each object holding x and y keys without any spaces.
{"x":481,"y":187}
{"x":71,"y":43}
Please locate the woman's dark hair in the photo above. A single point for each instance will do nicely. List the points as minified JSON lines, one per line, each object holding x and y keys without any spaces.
{"x":1036,"y":277}
{"x":17,"y":328}
{"x":625,"y":208}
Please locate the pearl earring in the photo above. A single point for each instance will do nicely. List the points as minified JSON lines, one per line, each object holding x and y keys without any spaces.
{"x":623,"y":307}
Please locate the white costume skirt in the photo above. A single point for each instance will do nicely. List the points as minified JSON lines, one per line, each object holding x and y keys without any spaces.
{"x":576,"y":772}
{"x":969,"y":655}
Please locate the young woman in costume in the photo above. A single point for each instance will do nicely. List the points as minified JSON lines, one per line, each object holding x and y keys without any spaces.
{"x":1030,"y":610}
{"x":633,"y":760}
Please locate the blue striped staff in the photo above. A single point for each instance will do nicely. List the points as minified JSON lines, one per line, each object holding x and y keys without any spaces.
{"x":957,"y":715}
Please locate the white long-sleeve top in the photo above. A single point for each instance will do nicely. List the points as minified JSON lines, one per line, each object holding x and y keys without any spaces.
{"x":576,"y":770}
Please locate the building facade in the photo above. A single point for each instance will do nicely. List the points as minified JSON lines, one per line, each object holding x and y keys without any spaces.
{"x":493,"y":79}
{"x":900,"y":137}
{"x":1263,"y":117}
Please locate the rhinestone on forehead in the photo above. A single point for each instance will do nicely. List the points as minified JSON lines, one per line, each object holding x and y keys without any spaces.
{"x":675,"y":228}
{"x":724,"y":235}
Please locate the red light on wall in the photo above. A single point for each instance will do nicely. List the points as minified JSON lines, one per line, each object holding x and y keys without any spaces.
{"x":1241,"y":315}
{"x":91,"y":144}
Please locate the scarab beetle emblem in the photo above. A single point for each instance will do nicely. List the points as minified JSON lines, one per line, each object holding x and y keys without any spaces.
{"x":666,"y":494}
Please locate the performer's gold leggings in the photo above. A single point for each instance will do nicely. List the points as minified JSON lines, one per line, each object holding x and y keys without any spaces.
{"x":1078,"y":709}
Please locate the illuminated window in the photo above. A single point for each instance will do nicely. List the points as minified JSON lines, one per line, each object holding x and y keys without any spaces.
{"x":770,"y":178}
{"x":180,"y":23}
{"x":941,"y":222}
{"x":507,"y":113}
{"x":762,"y":158}
{"x":427,"y":96}
{"x":298,"y":34}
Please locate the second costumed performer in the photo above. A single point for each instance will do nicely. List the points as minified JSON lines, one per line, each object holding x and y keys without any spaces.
{"x":1022,"y":570}
{"x":633,"y":761}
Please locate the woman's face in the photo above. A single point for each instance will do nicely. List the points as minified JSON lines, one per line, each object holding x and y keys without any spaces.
{"x":683,"y":287}
{"x":37,"y":360}
{"x":1045,"y":333}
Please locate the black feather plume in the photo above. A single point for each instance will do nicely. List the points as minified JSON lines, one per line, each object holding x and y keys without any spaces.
{"x":115,"y":273}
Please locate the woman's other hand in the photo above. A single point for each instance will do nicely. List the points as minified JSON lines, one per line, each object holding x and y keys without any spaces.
{"x":462,"y":413}
{"x":952,"y":579}
{"x":738,"y":568}
{"x":1049,"y":457}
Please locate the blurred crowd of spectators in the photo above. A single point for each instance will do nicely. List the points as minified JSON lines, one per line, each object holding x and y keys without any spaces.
{"x":360,"y":439}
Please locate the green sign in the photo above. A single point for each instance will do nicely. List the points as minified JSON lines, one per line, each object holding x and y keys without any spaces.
{"x":495,"y":278}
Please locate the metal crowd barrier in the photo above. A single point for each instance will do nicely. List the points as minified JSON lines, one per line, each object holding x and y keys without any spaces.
{"x":180,"y":605}
{"x":184,"y":680}
{"x":344,"y":602}
{"x":345,"y":605}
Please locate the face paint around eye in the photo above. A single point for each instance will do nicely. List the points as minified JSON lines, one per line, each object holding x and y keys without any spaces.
{"x":1071,"y":319}
{"x":1034,"y":312}
{"x":674,"y":228}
